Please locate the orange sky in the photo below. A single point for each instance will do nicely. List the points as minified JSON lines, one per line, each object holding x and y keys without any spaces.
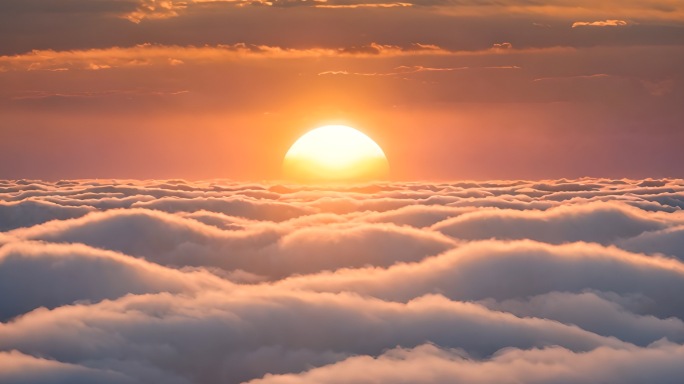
{"x":449,"y":89}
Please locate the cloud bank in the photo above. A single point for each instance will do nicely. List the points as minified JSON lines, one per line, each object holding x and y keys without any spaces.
{"x":216,"y":281}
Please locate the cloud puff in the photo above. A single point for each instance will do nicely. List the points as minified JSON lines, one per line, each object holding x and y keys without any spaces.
{"x":263,"y":248}
{"x":217,"y":333}
{"x":51,"y":275}
{"x":248,"y":208}
{"x":669,"y":241}
{"x":599,"y":222}
{"x":419,"y":216}
{"x":504,"y":45}
{"x":16,"y":367}
{"x":31,"y":212}
{"x":502,"y":270}
{"x":159,"y":237}
{"x":603,"y":313}
{"x":332,"y":247}
{"x":155,"y":9}
{"x":429,"y":364}
{"x":604,"y":23}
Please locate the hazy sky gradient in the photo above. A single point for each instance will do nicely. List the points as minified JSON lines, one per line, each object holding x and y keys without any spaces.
{"x":449,"y":88}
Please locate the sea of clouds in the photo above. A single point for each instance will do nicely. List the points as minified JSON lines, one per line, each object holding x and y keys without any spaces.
{"x":560,"y":281}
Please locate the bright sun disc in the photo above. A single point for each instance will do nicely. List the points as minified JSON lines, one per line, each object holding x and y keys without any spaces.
{"x":335,"y":153}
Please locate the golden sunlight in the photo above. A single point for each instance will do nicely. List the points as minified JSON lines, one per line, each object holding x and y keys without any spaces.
{"x":335,"y":153}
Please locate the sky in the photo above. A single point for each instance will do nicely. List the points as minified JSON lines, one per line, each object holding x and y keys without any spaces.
{"x":531,"y":229}
{"x":170,"y":281}
{"x":450,"y":89}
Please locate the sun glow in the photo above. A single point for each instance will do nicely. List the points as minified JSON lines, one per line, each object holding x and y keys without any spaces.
{"x":335,"y":153}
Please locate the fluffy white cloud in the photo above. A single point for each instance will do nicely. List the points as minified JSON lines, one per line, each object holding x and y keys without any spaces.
{"x":428,"y":364}
{"x":599,"y":312}
{"x":260,"y":210}
{"x":18,"y":368}
{"x":209,"y":337}
{"x":36,"y":275}
{"x":263,"y":248}
{"x":29,"y":212}
{"x":503,"y":270}
{"x":596,"y":222}
{"x":668,"y":241}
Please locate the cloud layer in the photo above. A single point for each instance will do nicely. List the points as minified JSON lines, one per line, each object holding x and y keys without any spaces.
{"x":216,"y":281}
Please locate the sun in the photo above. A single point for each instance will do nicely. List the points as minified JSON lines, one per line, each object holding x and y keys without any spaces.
{"x":335,"y":153}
